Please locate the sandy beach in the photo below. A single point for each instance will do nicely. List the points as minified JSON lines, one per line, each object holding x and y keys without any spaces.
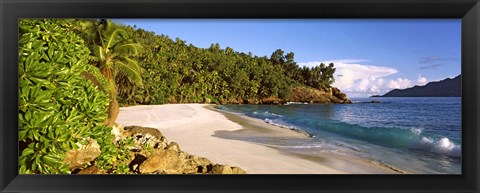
{"x":198,"y":129}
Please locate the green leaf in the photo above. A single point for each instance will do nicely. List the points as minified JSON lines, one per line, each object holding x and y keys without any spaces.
{"x":27,"y":151}
{"x":22,"y":169}
{"x":63,"y":137}
{"x":25,"y":91}
{"x":65,"y":170}
{"x":51,"y":160}
{"x":51,"y":135}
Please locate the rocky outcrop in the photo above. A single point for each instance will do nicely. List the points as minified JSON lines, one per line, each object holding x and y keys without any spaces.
{"x":76,"y":158}
{"x":92,"y":170}
{"x":311,"y":95}
{"x":162,"y":161}
{"x":153,"y":154}
{"x":340,"y":95}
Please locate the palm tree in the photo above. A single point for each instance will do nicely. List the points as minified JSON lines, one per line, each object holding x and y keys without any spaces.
{"x":114,"y":49}
{"x":115,"y":54}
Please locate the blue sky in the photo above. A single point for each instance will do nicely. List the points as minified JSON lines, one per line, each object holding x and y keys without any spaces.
{"x":371,"y":56}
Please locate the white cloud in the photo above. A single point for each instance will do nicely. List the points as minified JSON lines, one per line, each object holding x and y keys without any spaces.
{"x":421,"y":80}
{"x":363,"y":84}
{"x":399,"y":83}
{"x":350,"y":76}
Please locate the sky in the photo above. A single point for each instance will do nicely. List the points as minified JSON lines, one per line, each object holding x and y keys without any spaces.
{"x":371,"y":56}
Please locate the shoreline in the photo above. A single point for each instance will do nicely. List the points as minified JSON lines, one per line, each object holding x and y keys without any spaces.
{"x":249,"y":123}
{"x":202,"y":130}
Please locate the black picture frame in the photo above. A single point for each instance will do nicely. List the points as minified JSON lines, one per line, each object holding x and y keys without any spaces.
{"x":467,"y":10}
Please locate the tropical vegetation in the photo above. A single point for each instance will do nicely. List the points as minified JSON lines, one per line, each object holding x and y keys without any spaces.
{"x":177,"y":72}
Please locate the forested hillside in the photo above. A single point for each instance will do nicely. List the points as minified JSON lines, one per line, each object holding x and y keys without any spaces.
{"x":176,"y":72}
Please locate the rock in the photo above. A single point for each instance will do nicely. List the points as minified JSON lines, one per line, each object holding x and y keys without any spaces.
{"x":189,"y":167}
{"x":201,"y":169}
{"x":237,"y":170}
{"x":173,"y":146}
{"x":92,"y":170}
{"x":136,"y":162}
{"x":162,"y":161}
{"x":146,"y":136}
{"x":200,"y":160}
{"x":183,"y":155}
{"x":117,"y":131}
{"x":130,"y":130}
{"x":251,"y":101}
{"x":192,"y":163}
{"x":272,"y":100}
{"x":312,"y":95}
{"x":164,"y":157}
{"x":221,"y":169}
{"x":76,"y":158}
{"x":341,"y":96}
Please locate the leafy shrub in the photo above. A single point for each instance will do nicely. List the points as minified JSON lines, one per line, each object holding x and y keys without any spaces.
{"x":58,"y":109}
{"x":97,"y":75}
{"x":116,"y":157}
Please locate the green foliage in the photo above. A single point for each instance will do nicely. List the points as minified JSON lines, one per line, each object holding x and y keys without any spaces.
{"x":95,"y":72}
{"x":57,"y":107}
{"x":115,"y":157}
{"x":175,"y":72}
{"x":320,"y":77}
{"x":114,"y":52}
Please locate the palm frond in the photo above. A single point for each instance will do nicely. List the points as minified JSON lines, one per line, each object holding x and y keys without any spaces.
{"x":113,"y":37}
{"x":129,"y":48}
{"x":133,"y":63}
{"x":131,"y":70}
{"x":99,"y":51}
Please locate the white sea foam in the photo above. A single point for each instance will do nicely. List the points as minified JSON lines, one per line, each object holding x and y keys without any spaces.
{"x":276,"y":123}
{"x":272,"y":114}
{"x":267,"y":113}
{"x":445,"y":144}
{"x":427,"y":140}
{"x":283,"y":125}
{"x":442,"y":145}
{"x":295,"y":103}
{"x":416,"y":130}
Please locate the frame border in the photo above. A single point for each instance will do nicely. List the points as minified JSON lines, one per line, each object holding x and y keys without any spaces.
{"x":467,"y":10}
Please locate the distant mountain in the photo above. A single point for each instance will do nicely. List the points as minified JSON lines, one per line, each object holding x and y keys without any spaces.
{"x":444,"y":88}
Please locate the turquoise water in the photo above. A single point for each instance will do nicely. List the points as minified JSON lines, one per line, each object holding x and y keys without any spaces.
{"x":418,"y":135}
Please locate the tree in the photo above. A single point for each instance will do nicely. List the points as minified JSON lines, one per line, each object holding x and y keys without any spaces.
{"x":327,"y":77}
{"x":115,"y":53}
{"x":277,"y":57}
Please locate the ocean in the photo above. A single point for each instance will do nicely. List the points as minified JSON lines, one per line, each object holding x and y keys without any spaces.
{"x":418,"y":135}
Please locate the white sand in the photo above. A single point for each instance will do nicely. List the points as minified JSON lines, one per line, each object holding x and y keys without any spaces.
{"x":192,"y":127}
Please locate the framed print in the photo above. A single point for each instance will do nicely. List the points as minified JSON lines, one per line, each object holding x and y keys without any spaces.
{"x":240,"y":96}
